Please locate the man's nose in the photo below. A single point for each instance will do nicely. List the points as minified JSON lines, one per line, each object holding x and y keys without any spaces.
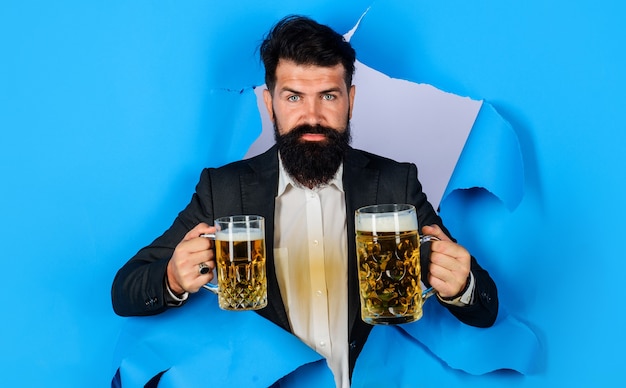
{"x":313,"y":112}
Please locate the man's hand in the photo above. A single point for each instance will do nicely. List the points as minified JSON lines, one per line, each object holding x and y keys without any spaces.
{"x":449,"y":264}
{"x":183,"y":268}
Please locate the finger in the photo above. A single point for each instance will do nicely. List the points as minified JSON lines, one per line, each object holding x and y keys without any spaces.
{"x":443,"y":288}
{"x":194,"y":276}
{"x":450,"y":270}
{"x":197,"y":230}
{"x":435,"y":230}
{"x":445,"y":261}
{"x":438,"y":284}
{"x":446,"y":282}
{"x":197,"y":283}
{"x":204,"y":274}
{"x":197,"y":245}
{"x":451,"y":249}
{"x":459,"y":267}
{"x":184,"y":266}
{"x":205,"y":256}
{"x":440,"y":268}
{"x":442,"y":280}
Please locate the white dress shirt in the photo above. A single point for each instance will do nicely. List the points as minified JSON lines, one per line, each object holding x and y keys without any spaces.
{"x":310,"y":255}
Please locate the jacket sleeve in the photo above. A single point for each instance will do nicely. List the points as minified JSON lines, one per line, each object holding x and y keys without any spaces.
{"x":483,"y":312}
{"x":139,"y":286}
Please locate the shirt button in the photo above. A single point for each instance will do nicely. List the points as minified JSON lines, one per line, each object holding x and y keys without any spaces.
{"x":322,"y":343}
{"x":318,"y":293}
{"x":315,"y":242}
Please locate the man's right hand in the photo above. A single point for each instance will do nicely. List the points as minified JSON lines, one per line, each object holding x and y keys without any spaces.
{"x":183,"y":269}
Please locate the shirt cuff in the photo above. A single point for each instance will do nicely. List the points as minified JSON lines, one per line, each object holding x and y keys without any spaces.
{"x":172,"y":299}
{"x":465,"y":299}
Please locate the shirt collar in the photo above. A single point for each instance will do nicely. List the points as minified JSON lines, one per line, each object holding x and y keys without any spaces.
{"x":285,"y":180}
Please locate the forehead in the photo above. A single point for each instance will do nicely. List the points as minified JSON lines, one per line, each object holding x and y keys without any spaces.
{"x":289,"y":72}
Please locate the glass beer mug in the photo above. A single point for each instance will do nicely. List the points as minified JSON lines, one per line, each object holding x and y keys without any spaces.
{"x":388,"y":257}
{"x":240,"y":259}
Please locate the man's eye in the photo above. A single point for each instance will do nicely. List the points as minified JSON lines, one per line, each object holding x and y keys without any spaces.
{"x":328,"y":97}
{"x":293,"y":98}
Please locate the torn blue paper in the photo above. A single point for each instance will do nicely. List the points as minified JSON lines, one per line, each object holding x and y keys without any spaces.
{"x":491,"y":160}
{"x":199,"y":343}
{"x":446,"y":343}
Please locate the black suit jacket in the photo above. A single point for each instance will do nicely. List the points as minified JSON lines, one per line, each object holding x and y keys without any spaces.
{"x":250,"y":187}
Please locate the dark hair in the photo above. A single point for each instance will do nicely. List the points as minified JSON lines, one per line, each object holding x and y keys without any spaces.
{"x":305,"y":42}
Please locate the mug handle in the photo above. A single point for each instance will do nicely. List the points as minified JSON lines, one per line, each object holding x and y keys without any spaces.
{"x":430,"y":291}
{"x":210,"y":286}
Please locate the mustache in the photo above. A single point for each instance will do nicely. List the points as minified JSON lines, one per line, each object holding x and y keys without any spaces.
{"x":297,"y":132}
{"x":317,"y":129}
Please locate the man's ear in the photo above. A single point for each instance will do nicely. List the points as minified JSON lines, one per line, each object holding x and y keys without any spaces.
{"x":351,"y":95}
{"x":267,"y":99}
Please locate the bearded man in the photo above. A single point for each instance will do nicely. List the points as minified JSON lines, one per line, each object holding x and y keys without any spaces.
{"x":307,"y":186}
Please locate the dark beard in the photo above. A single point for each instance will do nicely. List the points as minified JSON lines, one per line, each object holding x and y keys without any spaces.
{"x":312,"y":164}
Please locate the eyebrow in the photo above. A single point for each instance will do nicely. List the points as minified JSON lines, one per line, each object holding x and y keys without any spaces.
{"x":331,"y":90}
{"x":294,"y":91}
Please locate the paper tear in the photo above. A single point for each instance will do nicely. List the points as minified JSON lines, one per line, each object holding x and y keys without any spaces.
{"x":236,"y":91}
{"x":494,"y":147}
{"x":507,"y":345}
{"x":401,"y":120}
{"x":348,"y":35}
{"x":250,"y":350}
{"x":430,"y":128}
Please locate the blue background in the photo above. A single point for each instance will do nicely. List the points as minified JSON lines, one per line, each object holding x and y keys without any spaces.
{"x":108,"y":112}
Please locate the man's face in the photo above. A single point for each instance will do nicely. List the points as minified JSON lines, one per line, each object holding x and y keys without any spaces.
{"x":311,"y":108}
{"x":308,"y":94}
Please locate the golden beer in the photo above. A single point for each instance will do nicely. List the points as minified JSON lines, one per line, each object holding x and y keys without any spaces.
{"x":388,"y":255}
{"x":240,"y":257}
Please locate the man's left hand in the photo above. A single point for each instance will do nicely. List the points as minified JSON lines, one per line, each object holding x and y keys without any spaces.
{"x":449,"y":263}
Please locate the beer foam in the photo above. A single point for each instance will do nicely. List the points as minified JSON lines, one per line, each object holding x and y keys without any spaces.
{"x":386,"y":222}
{"x":239,"y":234}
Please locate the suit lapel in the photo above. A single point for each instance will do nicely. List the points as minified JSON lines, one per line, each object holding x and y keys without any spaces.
{"x":361,"y":186}
{"x":258,"y":192}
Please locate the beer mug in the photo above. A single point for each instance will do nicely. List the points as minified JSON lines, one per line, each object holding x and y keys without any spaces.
{"x":240,"y":258}
{"x":388,"y":256}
